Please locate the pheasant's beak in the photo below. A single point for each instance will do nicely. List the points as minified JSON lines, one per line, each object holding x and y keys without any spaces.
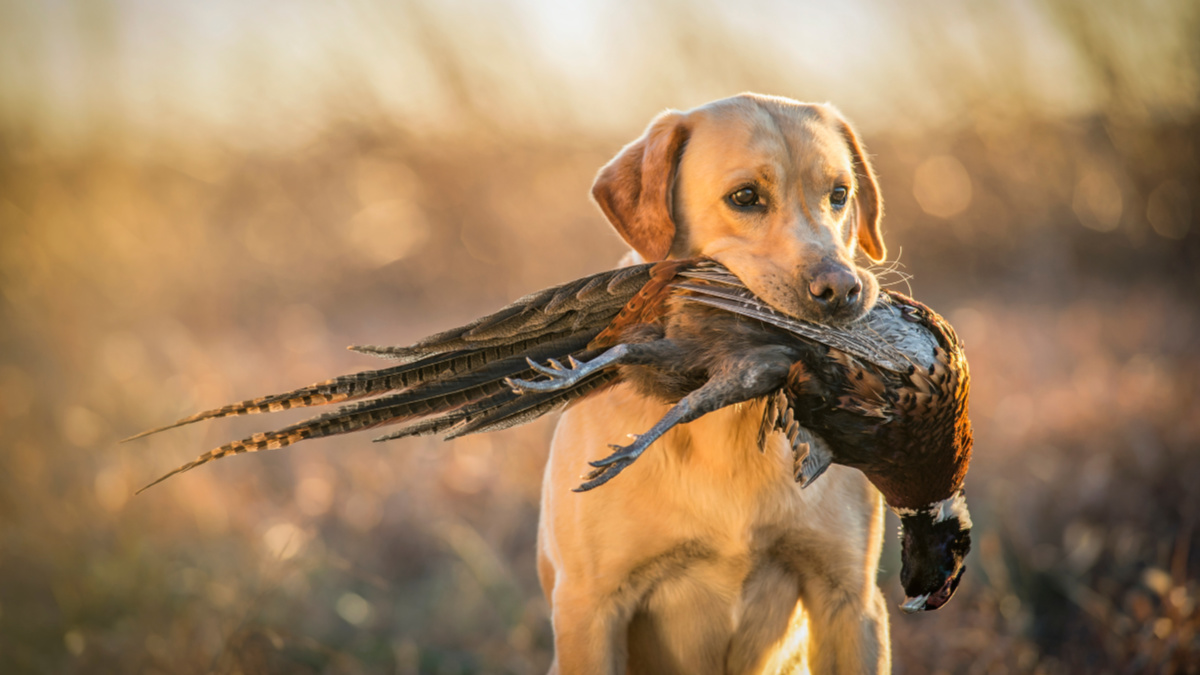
{"x":931,"y":601}
{"x":914,"y":605}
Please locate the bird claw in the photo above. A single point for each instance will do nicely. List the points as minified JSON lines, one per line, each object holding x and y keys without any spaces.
{"x":560,"y":376}
{"x":606,"y":469}
{"x":621,"y":452}
{"x":553,"y":370}
{"x":601,"y":475}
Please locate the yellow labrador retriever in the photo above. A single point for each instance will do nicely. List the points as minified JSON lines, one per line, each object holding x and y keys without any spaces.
{"x":705,"y":556}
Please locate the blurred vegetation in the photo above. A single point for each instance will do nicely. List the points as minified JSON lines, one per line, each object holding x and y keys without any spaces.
{"x":205,"y":202}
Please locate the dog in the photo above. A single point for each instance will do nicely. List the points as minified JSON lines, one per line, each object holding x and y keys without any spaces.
{"x":705,"y":556}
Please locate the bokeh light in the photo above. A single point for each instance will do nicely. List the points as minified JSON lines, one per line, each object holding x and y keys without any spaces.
{"x":204,"y":202}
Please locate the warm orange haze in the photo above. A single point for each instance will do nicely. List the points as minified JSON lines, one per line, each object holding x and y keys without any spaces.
{"x":201,"y":203}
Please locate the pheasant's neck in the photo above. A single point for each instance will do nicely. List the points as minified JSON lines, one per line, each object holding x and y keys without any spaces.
{"x":954,"y":506}
{"x":922,"y":469}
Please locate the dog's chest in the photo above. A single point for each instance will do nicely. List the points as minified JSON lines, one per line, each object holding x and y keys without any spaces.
{"x":730,"y":486}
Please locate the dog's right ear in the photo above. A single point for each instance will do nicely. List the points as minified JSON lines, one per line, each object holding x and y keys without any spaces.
{"x":868,"y":204}
{"x":634,"y":189}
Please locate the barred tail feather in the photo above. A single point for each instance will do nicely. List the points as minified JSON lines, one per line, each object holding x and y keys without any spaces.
{"x":307,"y":396}
{"x":425,"y":427}
{"x":434,"y":368}
{"x":499,"y":411}
{"x":337,"y":390}
{"x":438,"y":398}
{"x":271,"y":440}
{"x":263,"y":441}
{"x":348,"y":419}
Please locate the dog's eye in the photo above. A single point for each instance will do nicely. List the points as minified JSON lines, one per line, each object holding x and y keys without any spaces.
{"x":838,"y":196}
{"x":746,"y":196}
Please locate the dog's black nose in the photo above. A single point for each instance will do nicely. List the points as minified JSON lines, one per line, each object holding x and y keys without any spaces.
{"x":835,"y":287}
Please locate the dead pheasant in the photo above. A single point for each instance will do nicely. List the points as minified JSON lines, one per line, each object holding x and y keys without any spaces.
{"x":887,"y":395}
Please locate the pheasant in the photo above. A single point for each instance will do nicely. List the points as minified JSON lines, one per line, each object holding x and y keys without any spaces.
{"x":887,"y":395}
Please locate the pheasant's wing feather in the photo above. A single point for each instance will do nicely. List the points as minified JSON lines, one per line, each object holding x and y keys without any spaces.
{"x":859,"y":339}
{"x":587,"y":303}
{"x":649,"y":303}
{"x":506,"y":409}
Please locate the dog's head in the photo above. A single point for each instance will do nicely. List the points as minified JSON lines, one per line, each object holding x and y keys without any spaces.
{"x":778,"y":191}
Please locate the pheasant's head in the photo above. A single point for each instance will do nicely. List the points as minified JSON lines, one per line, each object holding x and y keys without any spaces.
{"x":935,"y":542}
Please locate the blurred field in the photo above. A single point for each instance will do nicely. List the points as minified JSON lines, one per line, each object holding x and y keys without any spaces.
{"x":176,"y":234}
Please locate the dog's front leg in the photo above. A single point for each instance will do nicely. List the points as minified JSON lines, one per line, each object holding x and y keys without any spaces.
{"x":588,"y":639}
{"x":850,"y":632}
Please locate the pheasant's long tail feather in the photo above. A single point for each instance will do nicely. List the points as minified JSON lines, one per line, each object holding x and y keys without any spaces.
{"x":425,"y":427}
{"x":337,"y":390}
{"x":434,"y":368}
{"x":446,"y":401}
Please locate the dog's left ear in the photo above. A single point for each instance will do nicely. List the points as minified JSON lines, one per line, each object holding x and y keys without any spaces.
{"x":868,"y":204}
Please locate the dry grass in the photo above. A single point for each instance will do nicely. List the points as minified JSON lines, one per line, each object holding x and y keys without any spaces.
{"x":137,"y":286}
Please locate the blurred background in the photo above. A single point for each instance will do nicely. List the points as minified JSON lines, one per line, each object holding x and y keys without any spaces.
{"x":204,"y":202}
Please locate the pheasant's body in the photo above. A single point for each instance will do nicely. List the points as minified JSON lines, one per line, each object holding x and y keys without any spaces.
{"x":907,"y":431}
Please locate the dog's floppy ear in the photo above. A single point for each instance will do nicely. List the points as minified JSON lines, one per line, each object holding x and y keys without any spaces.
{"x":868,"y":204}
{"x":634,"y":189}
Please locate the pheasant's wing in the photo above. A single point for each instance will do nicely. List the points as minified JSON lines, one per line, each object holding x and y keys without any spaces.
{"x":584,"y":304}
{"x":506,"y":408}
{"x":861,"y":339}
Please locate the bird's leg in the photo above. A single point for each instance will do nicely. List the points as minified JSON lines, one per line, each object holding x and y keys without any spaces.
{"x":607,"y":468}
{"x":657,"y":353}
{"x":561,"y":377}
{"x":734,"y":379}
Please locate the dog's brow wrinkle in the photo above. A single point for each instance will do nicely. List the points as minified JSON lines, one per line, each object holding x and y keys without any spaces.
{"x":777,"y":125}
{"x":773,"y":117}
{"x":804,"y":207}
